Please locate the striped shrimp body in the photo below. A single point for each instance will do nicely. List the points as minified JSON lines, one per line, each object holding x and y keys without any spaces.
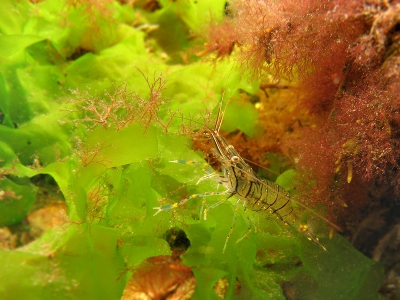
{"x":258,"y":194}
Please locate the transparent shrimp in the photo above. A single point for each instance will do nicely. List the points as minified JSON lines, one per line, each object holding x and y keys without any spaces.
{"x":258,"y":194}
{"x":240,"y":180}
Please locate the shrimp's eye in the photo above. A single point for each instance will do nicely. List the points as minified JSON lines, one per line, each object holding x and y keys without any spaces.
{"x":206,"y":134}
{"x":235,"y":159}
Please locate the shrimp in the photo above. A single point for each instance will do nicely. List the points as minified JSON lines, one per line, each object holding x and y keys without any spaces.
{"x":240,"y":180}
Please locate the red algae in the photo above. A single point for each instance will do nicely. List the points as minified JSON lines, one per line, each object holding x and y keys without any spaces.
{"x":343,"y":58}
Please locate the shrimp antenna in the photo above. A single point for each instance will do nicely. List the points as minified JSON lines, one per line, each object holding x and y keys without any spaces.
{"x":221,"y":112}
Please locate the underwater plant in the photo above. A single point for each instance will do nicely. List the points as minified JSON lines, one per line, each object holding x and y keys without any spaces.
{"x":95,"y":103}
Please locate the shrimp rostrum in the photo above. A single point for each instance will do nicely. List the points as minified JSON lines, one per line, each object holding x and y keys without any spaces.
{"x":240,"y":180}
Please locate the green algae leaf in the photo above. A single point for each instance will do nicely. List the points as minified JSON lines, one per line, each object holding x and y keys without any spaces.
{"x":286,"y":180}
{"x":197,"y":89}
{"x":16,"y":199}
{"x":125,"y":146}
{"x":4,"y":103}
{"x":65,"y":265}
{"x":49,"y":29}
{"x":208,"y":238}
{"x":134,"y":203}
{"x":37,"y":139}
{"x":10,"y":163}
{"x":172,"y":35}
{"x":342,"y":272}
{"x":13,"y":16}
{"x":196,"y":14}
{"x":42,"y":82}
{"x":242,"y":116}
{"x":96,"y":72}
{"x":30,"y":90}
{"x":206,"y":279}
{"x":138,"y":248}
{"x":13,"y":44}
{"x":61,"y":173}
